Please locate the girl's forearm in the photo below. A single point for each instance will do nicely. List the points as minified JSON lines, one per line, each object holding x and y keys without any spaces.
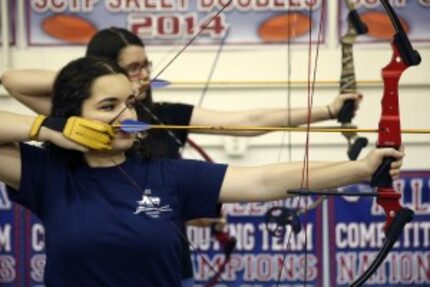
{"x":14,"y":127}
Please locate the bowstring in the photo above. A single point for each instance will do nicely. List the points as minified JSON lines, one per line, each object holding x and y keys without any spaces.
{"x":311,"y":90}
{"x":218,"y":274}
{"x":156,"y":118}
{"x":288,"y":102}
{"x":310,"y":100}
{"x":212,"y":71}
{"x":175,"y":227}
{"x":170,"y":62}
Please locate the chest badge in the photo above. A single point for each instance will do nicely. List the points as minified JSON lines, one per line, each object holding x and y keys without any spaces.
{"x":151,"y":205}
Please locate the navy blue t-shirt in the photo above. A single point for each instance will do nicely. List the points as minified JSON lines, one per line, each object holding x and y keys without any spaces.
{"x":168,"y":144}
{"x":115,"y":226}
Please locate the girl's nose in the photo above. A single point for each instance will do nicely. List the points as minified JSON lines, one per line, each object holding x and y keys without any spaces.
{"x":129,"y":113}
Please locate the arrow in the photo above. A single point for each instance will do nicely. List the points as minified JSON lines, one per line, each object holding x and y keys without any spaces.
{"x":133,"y":126}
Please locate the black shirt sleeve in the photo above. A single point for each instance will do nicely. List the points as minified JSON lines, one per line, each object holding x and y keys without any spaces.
{"x":166,"y":143}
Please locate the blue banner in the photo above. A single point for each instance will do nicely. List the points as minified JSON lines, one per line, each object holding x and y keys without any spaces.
{"x":11,"y":242}
{"x":260,"y":257}
{"x":357,"y":229}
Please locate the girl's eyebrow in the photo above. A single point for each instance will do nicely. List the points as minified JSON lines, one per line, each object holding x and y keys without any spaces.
{"x":111,"y":99}
{"x":144,"y":62}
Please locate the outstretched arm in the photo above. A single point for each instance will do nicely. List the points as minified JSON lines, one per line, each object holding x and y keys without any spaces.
{"x":268,"y":117}
{"x":272,"y":182}
{"x":33,"y":88}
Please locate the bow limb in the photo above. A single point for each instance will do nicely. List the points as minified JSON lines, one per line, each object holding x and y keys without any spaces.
{"x":348,"y":82}
{"x":389,"y":135}
{"x":227,"y":242}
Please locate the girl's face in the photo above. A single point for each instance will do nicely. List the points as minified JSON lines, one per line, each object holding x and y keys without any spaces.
{"x":134,"y":61}
{"x":111,"y":97}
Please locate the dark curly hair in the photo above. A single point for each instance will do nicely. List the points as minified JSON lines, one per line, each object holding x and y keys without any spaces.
{"x":73,"y":84}
{"x":71,"y":88}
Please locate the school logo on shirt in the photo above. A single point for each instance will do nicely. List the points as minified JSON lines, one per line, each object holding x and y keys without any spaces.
{"x":151,"y":205}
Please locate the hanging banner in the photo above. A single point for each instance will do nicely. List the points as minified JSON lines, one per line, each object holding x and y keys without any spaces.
{"x":167,"y":22}
{"x":11,"y":23}
{"x":11,"y":242}
{"x":259,"y":257}
{"x":414,"y":16}
{"x":357,"y":229}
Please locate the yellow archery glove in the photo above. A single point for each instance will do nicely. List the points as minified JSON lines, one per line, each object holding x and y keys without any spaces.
{"x":92,"y":134}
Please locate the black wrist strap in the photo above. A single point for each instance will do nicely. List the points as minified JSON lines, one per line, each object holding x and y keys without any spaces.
{"x":55,"y":123}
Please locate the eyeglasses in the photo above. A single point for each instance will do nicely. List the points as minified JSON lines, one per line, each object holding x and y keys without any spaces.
{"x":136,"y":68}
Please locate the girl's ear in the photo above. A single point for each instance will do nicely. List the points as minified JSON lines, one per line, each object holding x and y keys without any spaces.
{"x":141,"y":136}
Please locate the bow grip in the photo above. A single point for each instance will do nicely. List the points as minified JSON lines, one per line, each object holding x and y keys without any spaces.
{"x":346,"y":113}
{"x":355,"y":149}
{"x":381,"y":177}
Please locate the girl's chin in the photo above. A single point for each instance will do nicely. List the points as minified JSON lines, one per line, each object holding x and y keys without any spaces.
{"x":122,"y":144}
{"x":123,"y":135}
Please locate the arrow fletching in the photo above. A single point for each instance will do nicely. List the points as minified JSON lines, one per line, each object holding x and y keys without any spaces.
{"x":132,"y":126}
{"x":159,"y":84}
